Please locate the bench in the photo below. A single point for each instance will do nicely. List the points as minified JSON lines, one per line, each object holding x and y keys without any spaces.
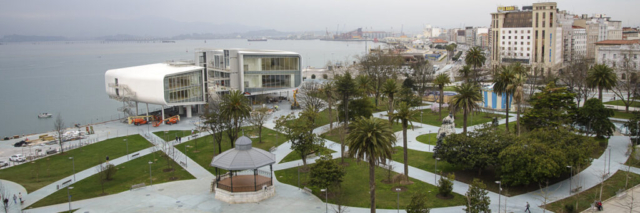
{"x":273,"y":149}
{"x":68,"y":181}
{"x":135,"y":186}
{"x":183,"y":164}
{"x":135,"y":155}
{"x":307,"y":190}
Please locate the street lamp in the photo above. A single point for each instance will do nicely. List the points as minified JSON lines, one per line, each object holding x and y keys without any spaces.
{"x":150,"y":178}
{"x":570,"y":179}
{"x":429,"y":141}
{"x":421,"y":118}
{"x":609,"y":172}
{"x":73,"y":161}
{"x":436,"y":172}
{"x":127,"y":142}
{"x":499,"y":193}
{"x":326,"y":206}
{"x":69,"y":197}
{"x":398,"y":202}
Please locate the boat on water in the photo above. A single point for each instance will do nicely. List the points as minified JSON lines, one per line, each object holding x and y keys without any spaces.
{"x":257,"y":39}
{"x":44,"y":115}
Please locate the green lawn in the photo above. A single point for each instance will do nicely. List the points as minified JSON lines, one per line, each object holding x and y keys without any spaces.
{"x":623,"y":115}
{"x":611,"y":185}
{"x":293,"y":156}
{"x":634,"y":158}
{"x":512,"y":126}
{"x":333,"y":134}
{"x":355,"y":187}
{"x":133,"y":172}
{"x":449,"y":88}
{"x":422,"y":160}
{"x":171,"y":134}
{"x":42,"y":172}
{"x":620,"y":103}
{"x":428,"y":138}
{"x":323,"y":117}
{"x":205,"y":148}
{"x":433,"y":118}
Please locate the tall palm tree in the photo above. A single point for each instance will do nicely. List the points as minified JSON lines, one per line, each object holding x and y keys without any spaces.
{"x":476,"y":58}
{"x":372,"y":140}
{"x":467,"y":99}
{"x":441,"y":80}
{"x":390,"y":88}
{"x":364,"y":85}
{"x":465,"y":71}
{"x":329,"y":92}
{"x":601,"y":76}
{"x":518,"y":90}
{"x":503,"y":85}
{"x":404,"y":116}
{"x":236,"y":106}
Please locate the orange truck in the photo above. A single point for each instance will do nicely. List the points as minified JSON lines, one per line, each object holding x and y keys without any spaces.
{"x":139,"y":121}
{"x":172,"y":120}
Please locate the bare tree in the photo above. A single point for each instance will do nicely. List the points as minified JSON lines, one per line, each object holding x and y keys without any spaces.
{"x":339,"y":201}
{"x":575,"y":78}
{"x":422,"y":75}
{"x":258,"y":118}
{"x":380,"y":67}
{"x":545,"y":194}
{"x":627,"y":85}
{"x":214,"y":121}
{"x":101,"y":169}
{"x":309,"y":96}
{"x":59,"y":128}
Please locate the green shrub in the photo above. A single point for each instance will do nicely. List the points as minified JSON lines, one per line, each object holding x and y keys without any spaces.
{"x":445,"y":185}
{"x":569,"y":208}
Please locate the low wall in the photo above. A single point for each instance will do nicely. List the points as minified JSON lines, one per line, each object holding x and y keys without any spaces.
{"x":245,"y":197}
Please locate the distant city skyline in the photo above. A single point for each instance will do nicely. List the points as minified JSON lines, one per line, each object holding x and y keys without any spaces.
{"x":77,"y":18}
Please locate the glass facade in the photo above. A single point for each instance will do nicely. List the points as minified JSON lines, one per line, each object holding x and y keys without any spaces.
{"x":276,"y":81}
{"x":184,"y":88}
{"x":264,"y":73}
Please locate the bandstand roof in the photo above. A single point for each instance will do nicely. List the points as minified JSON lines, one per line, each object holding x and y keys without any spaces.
{"x":243,"y":157}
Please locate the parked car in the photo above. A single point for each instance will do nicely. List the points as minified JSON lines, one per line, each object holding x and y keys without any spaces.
{"x":3,"y":163}
{"x":51,"y":143}
{"x":17,"y":158}
{"x":20,"y":144}
{"x":52,"y":151}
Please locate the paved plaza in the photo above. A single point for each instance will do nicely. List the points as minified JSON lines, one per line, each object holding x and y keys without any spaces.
{"x":195,"y":195}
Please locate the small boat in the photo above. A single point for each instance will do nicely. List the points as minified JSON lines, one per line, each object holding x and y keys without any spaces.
{"x":257,"y":39}
{"x":44,"y":115}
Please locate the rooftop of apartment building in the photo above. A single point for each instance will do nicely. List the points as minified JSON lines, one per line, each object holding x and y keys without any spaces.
{"x":618,"y":42}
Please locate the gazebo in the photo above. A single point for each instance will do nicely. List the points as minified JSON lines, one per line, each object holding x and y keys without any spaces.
{"x":244,"y":182}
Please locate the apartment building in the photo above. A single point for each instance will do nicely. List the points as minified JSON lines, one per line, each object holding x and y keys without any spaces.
{"x":621,"y":55}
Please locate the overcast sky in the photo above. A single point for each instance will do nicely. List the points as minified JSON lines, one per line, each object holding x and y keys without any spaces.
{"x":92,"y":18}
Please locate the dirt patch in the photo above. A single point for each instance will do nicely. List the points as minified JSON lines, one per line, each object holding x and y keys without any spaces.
{"x":173,"y":178}
{"x":444,"y":198}
{"x":406,"y":182}
{"x":195,"y":151}
{"x":304,"y":169}
{"x":345,"y":164}
{"x":167,"y":170}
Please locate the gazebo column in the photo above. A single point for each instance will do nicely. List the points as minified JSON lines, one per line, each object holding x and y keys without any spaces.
{"x":231,"y":178}
{"x":271,"y":174}
{"x":255,"y":187}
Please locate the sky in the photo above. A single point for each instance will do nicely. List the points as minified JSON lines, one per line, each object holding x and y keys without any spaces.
{"x":76,"y":18}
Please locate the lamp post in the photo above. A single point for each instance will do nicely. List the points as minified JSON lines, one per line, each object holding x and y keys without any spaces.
{"x":499,"y":193}
{"x":150,"y":178}
{"x":570,"y":179}
{"x":69,"y":197}
{"x":429,"y":141}
{"x":609,"y":172}
{"x":398,"y":201}
{"x":73,"y":161}
{"x":326,"y":206}
{"x":421,"y":118}
{"x":436,"y":172}
{"x":127,"y":142}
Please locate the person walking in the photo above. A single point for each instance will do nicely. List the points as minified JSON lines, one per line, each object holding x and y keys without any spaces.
{"x":527,"y":209}
{"x":20,"y":197}
{"x":15,"y":199}
{"x":6,"y":202}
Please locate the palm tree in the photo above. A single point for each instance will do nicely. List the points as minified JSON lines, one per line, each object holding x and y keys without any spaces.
{"x":476,"y":58}
{"x":467,"y":98}
{"x":503,"y":85}
{"x":389,"y":88}
{"x":372,"y":140}
{"x":364,"y":85}
{"x":236,"y":106}
{"x":441,"y":80}
{"x":404,"y":115}
{"x":329,"y":90}
{"x":601,"y":76}
{"x":518,"y":89}
{"x":465,"y":71}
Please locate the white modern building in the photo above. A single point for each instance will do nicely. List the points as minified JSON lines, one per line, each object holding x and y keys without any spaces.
{"x":191,"y":84}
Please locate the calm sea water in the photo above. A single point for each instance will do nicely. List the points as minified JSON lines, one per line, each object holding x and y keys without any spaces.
{"x":67,"y":79}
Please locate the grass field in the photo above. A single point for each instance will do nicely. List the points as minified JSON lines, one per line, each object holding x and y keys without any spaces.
{"x":171,"y":134}
{"x":206,"y":148}
{"x":293,"y":156}
{"x":433,"y":118}
{"x":428,"y":138}
{"x":323,"y":117}
{"x":355,"y":190}
{"x":333,"y":134}
{"x":620,"y":103}
{"x":133,"y":172}
{"x":586,"y":198}
{"x":37,"y":174}
{"x":422,"y":160}
{"x":623,"y":115}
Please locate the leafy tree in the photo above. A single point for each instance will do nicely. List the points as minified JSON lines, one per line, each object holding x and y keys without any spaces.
{"x":552,"y":107}
{"x":632,"y":125}
{"x":313,"y":76}
{"x":594,"y":116}
{"x":408,"y":83}
{"x":407,"y":95}
{"x":418,"y":203}
{"x":601,"y":76}
{"x":476,"y":150}
{"x":300,"y":133}
{"x":445,"y":185}
{"x":357,"y":108}
{"x":450,"y":50}
{"x":346,"y":88}
{"x":476,"y":59}
{"x":467,"y":99}
{"x":326,"y":173}
{"x":389,"y":89}
{"x":325,"y":76}
{"x":477,"y":198}
{"x":441,"y":80}
{"x":504,"y":85}
{"x":404,"y":116}
{"x":236,"y":106}
{"x":372,"y":140}
{"x":364,"y":85}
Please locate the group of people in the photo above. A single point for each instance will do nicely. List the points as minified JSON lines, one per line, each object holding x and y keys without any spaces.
{"x":15,"y":199}
{"x":599,"y":206}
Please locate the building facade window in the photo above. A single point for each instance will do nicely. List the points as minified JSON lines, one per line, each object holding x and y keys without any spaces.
{"x":183,"y":88}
